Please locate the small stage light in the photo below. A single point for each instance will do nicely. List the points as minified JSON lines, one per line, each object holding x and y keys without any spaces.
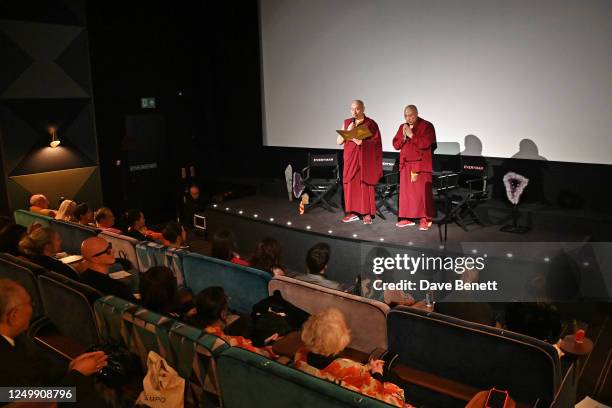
{"x":441,"y":247}
{"x":288,"y":222}
{"x":240,"y":212}
{"x":474,"y":251}
{"x":509,"y":255}
{"x":330,"y":232}
{"x":271,"y":219}
{"x":214,"y":205}
{"x":381,"y":239}
{"x":226,"y":208}
{"x":410,"y":243}
{"x":585,"y":263}
{"x":308,"y":227}
{"x":255,"y":215}
{"x":546,"y":259}
{"x":354,"y":235}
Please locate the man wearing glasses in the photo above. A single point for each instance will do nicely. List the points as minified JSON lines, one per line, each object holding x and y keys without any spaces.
{"x":99,"y":256}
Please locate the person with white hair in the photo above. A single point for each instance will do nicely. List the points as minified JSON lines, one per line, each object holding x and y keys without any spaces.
{"x":65,"y":212}
{"x":325,"y":335}
{"x":39,"y":204}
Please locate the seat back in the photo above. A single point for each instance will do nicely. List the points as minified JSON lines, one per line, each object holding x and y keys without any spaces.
{"x":475,"y":168}
{"x":474,"y":354}
{"x":322,"y":167}
{"x":69,"y":306}
{"x":246,"y":286}
{"x":125,"y":247}
{"x":25,"y":273}
{"x":27,"y":218}
{"x":366,"y":318}
{"x":250,"y":380}
{"x":187,"y":349}
{"x":153,"y":254}
{"x":73,"y":235}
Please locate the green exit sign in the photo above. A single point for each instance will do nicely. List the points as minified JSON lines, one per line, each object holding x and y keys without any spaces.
{"x":147,"y":103}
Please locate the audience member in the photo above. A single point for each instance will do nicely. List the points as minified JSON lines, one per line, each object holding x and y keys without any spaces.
{"x":105,"y":219}
{"x":98,"y":257}
{"x":224,"y":247}
{"x":10,"y":236}
{"x":21,"y":369}
{"x":159,"y":293}
{"x":41,"y":246}
{"x":65,"y":212}
{"x":136,"y":227}
{"x":84,"y":214}
{"x":267,"y":257}
{"x":317,"y":259}
{"x":173,"y":235}
{"x":40,"y":204}
{"x":212,"y":312}
{"x":325,"y":336}
{"x":464,"y":304}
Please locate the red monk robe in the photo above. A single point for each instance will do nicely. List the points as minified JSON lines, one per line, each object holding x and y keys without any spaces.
{"x":362,"y":170}
{"x":416,"y":197}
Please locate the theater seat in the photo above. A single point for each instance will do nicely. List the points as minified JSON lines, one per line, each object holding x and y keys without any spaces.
{"x":73,"y":235}
{"x":250,"y":380}
{"x":479,"y":356}
{"x":366,"y":318}
{"x":25,"y":273}
{"x":246,"y":286}
{"x":187,"y":349}
{"x":124,"y":246}
{"x":69,"y":306}
{"x":27,"y":218}
{"x":153,"y":254}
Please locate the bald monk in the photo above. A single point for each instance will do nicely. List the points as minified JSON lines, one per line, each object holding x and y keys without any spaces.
{"x":415,"y":140}
{"x":362,"y":167}
{"x":99,"y":255}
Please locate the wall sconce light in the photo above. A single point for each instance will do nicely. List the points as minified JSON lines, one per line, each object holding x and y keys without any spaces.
{"x":54,"y":140}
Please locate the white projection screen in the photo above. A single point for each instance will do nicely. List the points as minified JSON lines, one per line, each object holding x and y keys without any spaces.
{"x":502,"y":71}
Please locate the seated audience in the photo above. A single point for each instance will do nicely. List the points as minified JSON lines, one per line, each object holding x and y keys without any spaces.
{"x":136,"y":227}
{"x":105,"y":219}
{"x":41,"y":247}
{"x":224,"y":247}
{"x":65,"y":212}
{"x":84,"y":214}
{"x":173,"y":235}
{"x":464,"y":304}
{"x":540,"y":320}
{"x":98,"y":255}
{"x":10,"y":236}
{"x":267,"y":257}
{"x":160,"y":294}
{"x":317,"y":259}
{"x":19,"y":368}
{"x":325,"y":336}
{"x":212,"y":312}
{"x":40,"y":204}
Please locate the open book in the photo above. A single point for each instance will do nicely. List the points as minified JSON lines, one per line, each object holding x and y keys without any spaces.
{"x":358,"y":132}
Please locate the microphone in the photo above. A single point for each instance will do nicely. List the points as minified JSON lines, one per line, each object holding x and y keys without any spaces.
{"x":353,"y":119}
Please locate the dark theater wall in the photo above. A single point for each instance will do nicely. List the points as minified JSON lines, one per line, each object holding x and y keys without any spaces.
{"x":46,"y":84}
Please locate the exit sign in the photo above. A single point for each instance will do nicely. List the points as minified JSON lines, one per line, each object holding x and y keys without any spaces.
{"x":147,"y":103}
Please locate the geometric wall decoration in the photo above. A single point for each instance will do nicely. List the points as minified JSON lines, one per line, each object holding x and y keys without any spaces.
{"x":55,"y":184}
{"x":46,"y":82}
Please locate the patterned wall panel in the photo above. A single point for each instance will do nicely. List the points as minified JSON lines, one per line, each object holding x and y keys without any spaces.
{"x":46,"y":83}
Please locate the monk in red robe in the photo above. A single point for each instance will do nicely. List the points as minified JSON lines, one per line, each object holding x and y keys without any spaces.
{"x":362,"y":167}
{"x":415,"y":139}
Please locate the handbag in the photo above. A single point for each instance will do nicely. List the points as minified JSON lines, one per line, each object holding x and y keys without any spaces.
{"x":162,"y":386}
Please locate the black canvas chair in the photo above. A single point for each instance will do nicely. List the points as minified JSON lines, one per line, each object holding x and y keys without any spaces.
{"x":387,"y":188}
{"x":473,"y":189}
{"x":321,"y":179}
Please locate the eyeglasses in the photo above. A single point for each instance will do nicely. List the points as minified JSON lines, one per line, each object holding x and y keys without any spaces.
{"x":107,"y":251}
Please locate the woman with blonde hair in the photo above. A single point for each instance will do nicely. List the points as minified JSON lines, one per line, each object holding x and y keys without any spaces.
{"x":40,"y":247}
{"x":325,"y":336}
{"x":65,"y":211}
